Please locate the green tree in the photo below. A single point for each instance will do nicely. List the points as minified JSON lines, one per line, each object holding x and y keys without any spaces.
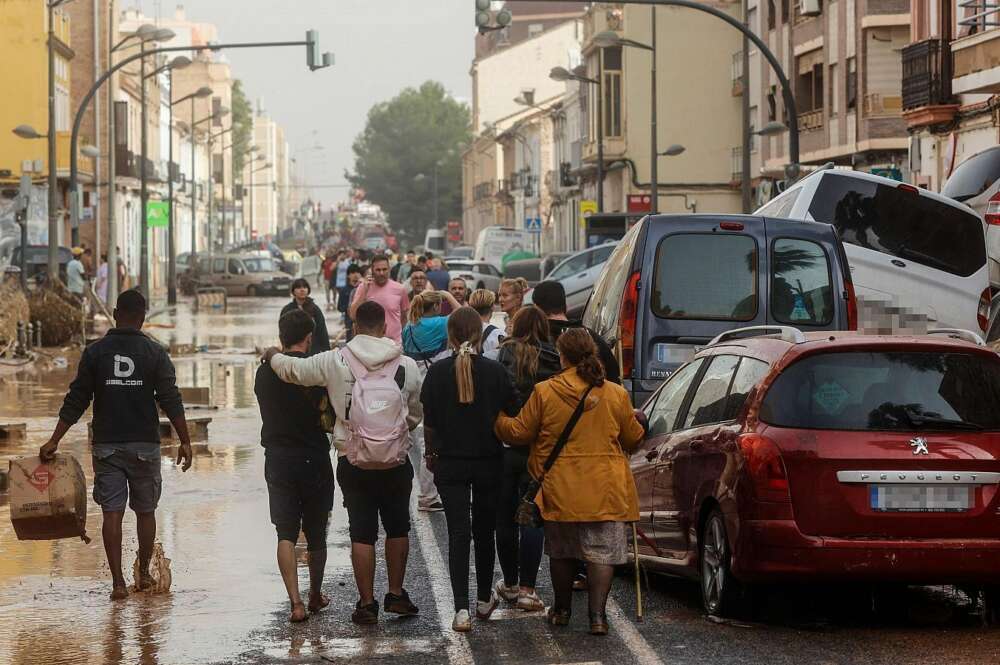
{"x":410,"y":135}
{"x":242,"y":125}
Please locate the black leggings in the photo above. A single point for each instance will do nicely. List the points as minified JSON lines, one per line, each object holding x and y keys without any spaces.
{"x":470,"y":490}
{"x":519,"y":548}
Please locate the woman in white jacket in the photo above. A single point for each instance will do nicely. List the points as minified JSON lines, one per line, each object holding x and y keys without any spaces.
{"x":369,"y":495}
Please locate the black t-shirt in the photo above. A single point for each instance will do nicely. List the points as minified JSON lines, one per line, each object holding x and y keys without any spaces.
{"x":466,"y":430}
{"x":289,"y":416}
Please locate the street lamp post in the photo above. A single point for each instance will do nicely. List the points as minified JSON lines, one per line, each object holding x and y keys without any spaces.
{"x":211,"y":181}
{"x":53,"y":174}
{"x":563,"y":74}
{"x":171,"y":223}
{"x":194,"y":186}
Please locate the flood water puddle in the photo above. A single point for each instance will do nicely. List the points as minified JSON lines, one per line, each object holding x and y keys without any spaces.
{"x":212,"y":521}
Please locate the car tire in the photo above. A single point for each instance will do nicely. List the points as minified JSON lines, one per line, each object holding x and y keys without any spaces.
{"x":720,"y":591}
{"x":252,"y":291}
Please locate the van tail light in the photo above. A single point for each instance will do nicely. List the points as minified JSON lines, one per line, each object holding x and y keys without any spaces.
{"x":852,"y":302}
{"x":627,"y":323}
{"x":983,"y":314}
{"x":766,"y":468}
{"x":909,"y":189}
{"x":993,"y":210}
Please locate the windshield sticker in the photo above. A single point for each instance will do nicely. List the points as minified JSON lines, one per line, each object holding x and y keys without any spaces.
{"x":831,"y":397}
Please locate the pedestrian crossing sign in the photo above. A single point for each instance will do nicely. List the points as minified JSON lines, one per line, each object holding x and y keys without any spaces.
{"x":533,"y":224}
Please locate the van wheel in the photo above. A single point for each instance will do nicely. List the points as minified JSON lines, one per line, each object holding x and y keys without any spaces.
{"x":252,"y":291}
{"x":720,"y":591}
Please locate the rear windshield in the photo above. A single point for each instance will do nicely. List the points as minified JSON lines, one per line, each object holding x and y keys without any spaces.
{"x":801,"y":289}
{"x":973,"y":176}
{"x":899,"y":223}
{"x":706,"y":276}
{"x":892,"y":391}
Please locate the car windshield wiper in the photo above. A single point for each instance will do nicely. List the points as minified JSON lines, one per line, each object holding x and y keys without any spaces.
{"x":920,"y":420}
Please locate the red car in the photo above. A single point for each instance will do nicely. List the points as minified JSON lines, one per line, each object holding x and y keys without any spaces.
{"x":778,"y":456}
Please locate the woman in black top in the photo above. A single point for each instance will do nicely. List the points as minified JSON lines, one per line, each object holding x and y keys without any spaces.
{"x":300,"y":300}
{"x":462,"y":396}
{"x":529,"y":358}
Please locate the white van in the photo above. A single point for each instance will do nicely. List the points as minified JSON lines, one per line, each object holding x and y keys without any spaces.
{"x":921,"y":253}
{"x":435,"y":241}
{"x":496,"y":243}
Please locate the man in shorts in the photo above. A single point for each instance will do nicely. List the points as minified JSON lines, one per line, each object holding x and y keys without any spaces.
{"x":126,"y":374}
{"x":297,"y":466}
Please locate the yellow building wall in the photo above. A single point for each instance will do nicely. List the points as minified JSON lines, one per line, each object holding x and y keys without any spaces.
{"x":24,"y":85}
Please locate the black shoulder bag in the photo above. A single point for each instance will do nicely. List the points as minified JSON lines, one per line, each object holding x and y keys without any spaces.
{"x":528,"y":513}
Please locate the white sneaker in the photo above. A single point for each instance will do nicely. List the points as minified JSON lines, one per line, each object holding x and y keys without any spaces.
{"x":508,"y":593}
{"x":485,"y":609}
{"x":462,"y":623}
{"x":529,"y":602}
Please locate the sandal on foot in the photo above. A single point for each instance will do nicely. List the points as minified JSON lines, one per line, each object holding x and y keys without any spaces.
{"x":556,"y":617}
{"x":598,"y":623}
{"x":317,"y":602}
{"x":295,"y":617}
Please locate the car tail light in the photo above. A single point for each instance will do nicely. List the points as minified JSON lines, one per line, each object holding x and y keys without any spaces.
{"x":766,"y":468}
{"x":627,"y":323}
{"x":731,"y":226}
{"x":909,"y":189}
{"x":992,"y":215}
{"x":983,"y":314}
{"x":852,"y":305}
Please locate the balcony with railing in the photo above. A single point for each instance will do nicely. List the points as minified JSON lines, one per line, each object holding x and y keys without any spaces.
{"x":976,"y":50}
{"x":126,"y":163}
{"x":811,"y":120}
{"x":927,"y":98}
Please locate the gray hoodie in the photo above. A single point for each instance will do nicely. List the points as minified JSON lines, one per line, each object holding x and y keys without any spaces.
{"x":329,"y":369}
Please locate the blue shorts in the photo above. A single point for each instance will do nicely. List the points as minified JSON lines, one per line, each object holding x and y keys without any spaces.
{"x":125,"y":476}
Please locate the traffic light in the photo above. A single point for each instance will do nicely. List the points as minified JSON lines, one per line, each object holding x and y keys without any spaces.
{"x":314,"y":58}
{"x":482,"y":13}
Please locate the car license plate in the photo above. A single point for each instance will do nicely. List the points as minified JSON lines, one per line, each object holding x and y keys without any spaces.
{"x":908,"y":498}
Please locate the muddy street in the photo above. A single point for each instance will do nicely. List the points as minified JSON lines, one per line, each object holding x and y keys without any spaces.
{"x":227,"y":603}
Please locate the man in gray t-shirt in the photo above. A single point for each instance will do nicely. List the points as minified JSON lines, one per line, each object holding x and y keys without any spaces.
{"x":75,"y":274}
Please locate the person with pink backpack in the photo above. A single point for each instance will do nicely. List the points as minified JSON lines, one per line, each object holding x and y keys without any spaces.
{"x":375,"y":392}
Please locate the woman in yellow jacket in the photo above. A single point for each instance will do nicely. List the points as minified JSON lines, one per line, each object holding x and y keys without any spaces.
{"x":588,"y":497}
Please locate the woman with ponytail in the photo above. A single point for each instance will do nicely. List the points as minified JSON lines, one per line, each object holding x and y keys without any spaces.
{"x":462,"y":396}
{"x":588,"y":497}
{"x":425,"y":335}
{"x":529,"y":359}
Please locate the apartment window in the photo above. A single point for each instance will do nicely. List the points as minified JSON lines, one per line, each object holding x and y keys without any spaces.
{"x":809,"y":82}
{"x":784,"y":11}
{"x":852,"y":83}
{"x":612,"y":91}
{"x":834,"y":90}
{"x":62,"y":109}
{"x":772,"y":12}
{"x":772,"y":104}
{"x":121,"y":125}
{"x":753,"y":128}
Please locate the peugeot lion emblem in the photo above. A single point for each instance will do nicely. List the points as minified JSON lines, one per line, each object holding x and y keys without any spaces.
{"x":919,"y":446}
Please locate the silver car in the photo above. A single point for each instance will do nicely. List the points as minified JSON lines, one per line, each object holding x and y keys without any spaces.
{"x":976,"y":183}
{"x":578,"y":273}
{"x":477,"y":274}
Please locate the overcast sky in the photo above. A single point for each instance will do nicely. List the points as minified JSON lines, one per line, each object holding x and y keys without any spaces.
{"x":380,"y":47}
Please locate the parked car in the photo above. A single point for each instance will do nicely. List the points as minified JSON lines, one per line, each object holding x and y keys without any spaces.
{"x":529,"y":269}
{"x":435,"y":241}
{"x":477,"y":274}
{"x":976,"y":183}
{"x":839,"y":457}
{"x":243,"y":275}
{"x":578,"y":273}
{"x":460,"y":253}
{"x":917,"y":252}
{"x":37,"y":260}
{"x":676,"y":281}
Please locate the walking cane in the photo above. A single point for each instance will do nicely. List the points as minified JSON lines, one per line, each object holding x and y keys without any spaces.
{"x":638,"y":578}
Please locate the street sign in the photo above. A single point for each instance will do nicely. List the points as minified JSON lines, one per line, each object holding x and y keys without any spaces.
{"x":639,"y":203}
{"x":533,"y":224}
{"x":157,"y":214}
{"x":587,"y":207}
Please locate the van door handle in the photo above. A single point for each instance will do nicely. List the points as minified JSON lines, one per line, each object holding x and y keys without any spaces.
{"x":898,"y":263}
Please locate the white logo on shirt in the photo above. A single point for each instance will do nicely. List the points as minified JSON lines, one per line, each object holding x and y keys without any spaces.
{"x":124,"y":367}
{"x":377,"y":405}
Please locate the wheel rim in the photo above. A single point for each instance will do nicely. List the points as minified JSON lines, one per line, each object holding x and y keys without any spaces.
{"x":713,"y":569}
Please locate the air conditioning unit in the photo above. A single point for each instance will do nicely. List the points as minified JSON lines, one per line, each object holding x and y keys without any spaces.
{"x":811,"y":7}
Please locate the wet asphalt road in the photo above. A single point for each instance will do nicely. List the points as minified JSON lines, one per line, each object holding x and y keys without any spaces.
{"x":227,"y":603}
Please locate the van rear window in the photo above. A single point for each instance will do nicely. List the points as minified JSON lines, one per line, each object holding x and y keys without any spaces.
{"x":801,"y":292}
{"x":900,"y":223}
{"x":706,"y":276}
{"x":892,"y":391}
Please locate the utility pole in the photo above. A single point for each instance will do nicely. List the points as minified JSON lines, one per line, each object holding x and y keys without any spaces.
{"x":745,"y":188}
{"x":53,"y":175}
{"x":143,"y":183}
{"x":654,"y":168}
{"x":112,"y":165}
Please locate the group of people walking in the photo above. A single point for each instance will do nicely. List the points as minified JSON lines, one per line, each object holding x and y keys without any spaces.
{"x":520,"y":435}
